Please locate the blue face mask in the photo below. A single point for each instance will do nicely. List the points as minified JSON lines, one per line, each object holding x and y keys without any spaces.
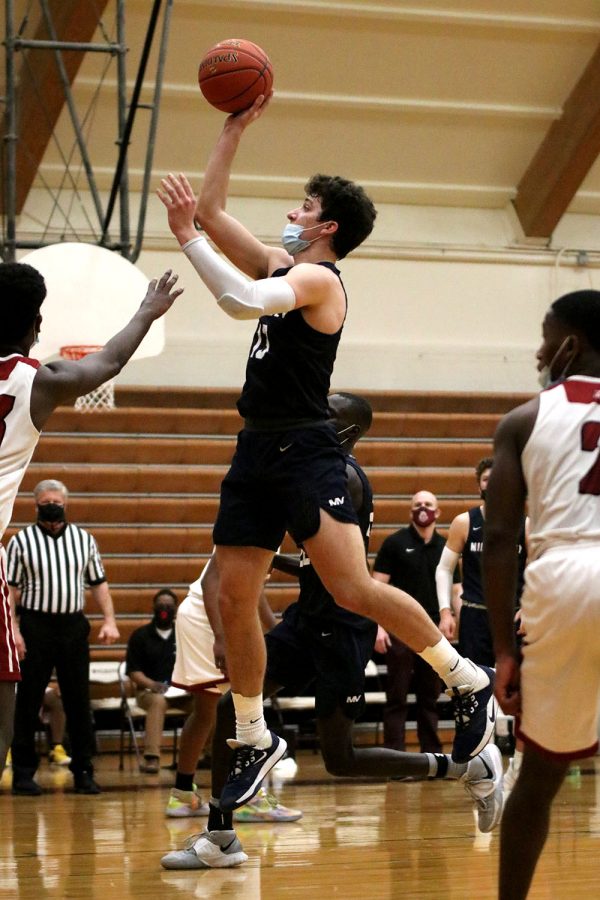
{"x":291,"y":240}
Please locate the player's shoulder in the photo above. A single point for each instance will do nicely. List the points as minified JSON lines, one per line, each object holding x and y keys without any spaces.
{"x":516,"y":426}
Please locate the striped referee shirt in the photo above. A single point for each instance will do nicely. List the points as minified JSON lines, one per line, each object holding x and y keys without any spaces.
{"x":53,"y":570}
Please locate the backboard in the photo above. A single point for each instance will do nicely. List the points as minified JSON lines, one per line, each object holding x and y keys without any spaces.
{"x":92,"y":294}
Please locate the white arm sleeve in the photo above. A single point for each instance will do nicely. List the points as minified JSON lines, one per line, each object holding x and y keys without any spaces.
{"x":443,"y":578}
{"x":238,"y":297}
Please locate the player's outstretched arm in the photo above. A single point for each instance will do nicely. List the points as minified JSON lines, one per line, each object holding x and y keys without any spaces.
{"x":235,"y":294}
{"x":62,"y":381}
{"x":245,"y":251}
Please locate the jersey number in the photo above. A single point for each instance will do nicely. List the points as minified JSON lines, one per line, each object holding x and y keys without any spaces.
{"x":7,"y":401}
{"x":260,"y":347}
{"x":590,"y":441}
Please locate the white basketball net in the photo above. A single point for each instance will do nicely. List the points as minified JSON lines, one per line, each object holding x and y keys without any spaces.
{"x":102,"y":397}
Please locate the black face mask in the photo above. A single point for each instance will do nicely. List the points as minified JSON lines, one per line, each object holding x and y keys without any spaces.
{"x":51,"y":512}
{"x":163,"y":616}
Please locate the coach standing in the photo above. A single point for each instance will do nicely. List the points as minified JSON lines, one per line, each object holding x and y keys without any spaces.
{"x":50,"y":564}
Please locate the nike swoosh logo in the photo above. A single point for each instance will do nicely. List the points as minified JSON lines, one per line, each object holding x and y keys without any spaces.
{"x":230,"y":844}
{"x":410,"y":549}
{"x":487,"y":768}
{"x":476,"y":527}
{"x":254,"y":721}
{"x":492,"y":715}
{"x":287,"y":447}
{"x":326,"y":634}
{"x":455,"y":666}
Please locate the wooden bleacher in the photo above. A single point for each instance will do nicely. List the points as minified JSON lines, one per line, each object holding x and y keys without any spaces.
{"x":144,"y":478}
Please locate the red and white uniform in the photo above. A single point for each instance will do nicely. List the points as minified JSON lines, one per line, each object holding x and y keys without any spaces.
{"x":195,"y":668}
{"x":561,"y":601}
{"x":18,"y":438}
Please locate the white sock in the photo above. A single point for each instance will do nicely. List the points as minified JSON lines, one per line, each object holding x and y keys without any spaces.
{"x":250,"y":726}
{"x":453,"y":669}
{"x":441,"y":765}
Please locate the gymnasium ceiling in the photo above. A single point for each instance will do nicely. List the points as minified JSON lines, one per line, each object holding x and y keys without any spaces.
{"x":471,"y":103}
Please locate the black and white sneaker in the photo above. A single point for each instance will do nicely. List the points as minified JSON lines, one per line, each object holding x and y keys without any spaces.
{"x":250,"y":765}
{"x":207,"y":850}
{"x":474,"y":716}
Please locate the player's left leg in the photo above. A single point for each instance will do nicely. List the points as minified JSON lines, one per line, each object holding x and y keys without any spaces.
{"x":337,"y":553}
{"x":526,"y":821}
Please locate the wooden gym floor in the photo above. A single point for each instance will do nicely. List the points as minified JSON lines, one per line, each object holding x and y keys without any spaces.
{"x":368,"y":840}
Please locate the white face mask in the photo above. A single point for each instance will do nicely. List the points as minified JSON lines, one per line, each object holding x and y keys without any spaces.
{"x":545,"y":378}
{"x":291,"y":240}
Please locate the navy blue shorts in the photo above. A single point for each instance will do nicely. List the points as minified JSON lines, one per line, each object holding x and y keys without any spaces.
{"x":279,"y":481}
{"x":325,"y":658}
{"x":475,"y":637}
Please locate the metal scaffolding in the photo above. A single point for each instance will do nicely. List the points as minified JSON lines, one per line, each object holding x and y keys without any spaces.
{"x":127,"y":109}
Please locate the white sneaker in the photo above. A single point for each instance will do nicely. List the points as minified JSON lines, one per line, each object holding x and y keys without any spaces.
{"x":485,"y":788}
{"x":208,"y":850}
{"x":285,"y":768}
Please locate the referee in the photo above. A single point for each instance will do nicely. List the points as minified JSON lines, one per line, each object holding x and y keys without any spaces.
{"x":49,"y":566}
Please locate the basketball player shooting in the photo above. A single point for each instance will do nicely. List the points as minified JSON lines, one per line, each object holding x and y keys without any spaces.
{"x":289,"y":472}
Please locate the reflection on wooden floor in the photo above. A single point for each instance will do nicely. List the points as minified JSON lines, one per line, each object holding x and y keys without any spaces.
{"x":375,"y":841}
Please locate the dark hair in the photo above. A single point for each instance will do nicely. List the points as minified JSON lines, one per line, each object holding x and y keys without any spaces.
{"x":580,"y":310}
{"x":486,"y":463}
{"x":162,"y":592}
{"x":355,"y":410}
{"x":22,"y":292}
{"x":347,"y":204}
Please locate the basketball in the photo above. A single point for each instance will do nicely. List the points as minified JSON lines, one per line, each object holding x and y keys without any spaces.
{"x":233,"y":73}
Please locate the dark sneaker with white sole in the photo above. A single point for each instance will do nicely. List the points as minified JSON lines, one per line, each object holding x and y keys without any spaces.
{"x":474,"y":716}
{"x":249,"y":767}
{"x":207,"y":850}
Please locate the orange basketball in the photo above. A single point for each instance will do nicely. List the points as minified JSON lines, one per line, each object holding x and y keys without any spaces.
{"x":233,"y":73}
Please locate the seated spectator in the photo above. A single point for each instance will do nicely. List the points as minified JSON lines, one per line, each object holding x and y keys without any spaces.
{"x":150,"y":661}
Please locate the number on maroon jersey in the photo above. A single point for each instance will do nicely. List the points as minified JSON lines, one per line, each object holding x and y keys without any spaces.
{"x":7,"y":401}
{"x":590,"y":441}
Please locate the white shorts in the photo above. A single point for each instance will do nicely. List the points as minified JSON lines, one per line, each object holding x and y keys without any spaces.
{"x":560,"y":673}
{"x":195,"y":668}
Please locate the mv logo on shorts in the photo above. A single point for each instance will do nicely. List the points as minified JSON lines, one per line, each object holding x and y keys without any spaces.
{"x":354,"y":699}
{"x":337,"y":501}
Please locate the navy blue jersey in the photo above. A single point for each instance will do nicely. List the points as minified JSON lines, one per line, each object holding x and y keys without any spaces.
{"x":289,"y":368}
{"x":471,"y":559}
{"x":314,"y":600}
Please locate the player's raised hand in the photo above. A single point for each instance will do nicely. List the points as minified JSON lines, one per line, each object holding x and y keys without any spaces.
{"x":177,"y":196}
{"x":161,"y":294}
{"x":242,"y":119}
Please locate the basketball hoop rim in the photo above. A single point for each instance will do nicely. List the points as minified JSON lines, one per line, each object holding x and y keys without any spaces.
{"x":78,"y":351}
